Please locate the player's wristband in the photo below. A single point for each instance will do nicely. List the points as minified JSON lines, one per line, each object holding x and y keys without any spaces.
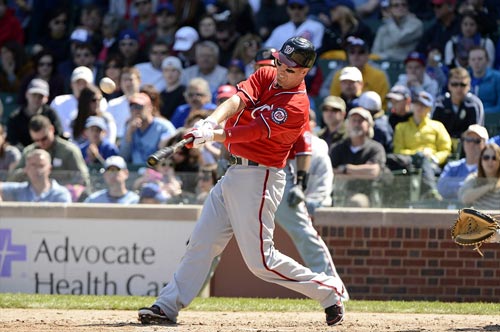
{"x":302,"y":177}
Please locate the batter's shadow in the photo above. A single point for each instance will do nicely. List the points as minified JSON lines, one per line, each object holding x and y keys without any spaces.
{"x":487,"y":328}
{"x":125,"y":324}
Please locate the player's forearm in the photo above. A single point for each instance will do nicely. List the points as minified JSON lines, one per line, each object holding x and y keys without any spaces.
{"x":303,"y":162}
{"x":227,"y":109}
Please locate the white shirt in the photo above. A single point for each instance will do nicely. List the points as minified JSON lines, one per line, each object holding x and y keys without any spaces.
{"x":120,"y":110}
{"x":310,"y":30}
{"x":151,"y":75}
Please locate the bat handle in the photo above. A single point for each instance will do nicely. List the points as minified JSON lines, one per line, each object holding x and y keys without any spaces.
{"x":166,"y":152}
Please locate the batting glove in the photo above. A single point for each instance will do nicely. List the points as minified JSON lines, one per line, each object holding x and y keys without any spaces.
{"x":200,"y":136}
{"x":208,"y":123}
{"x":295,"y":196}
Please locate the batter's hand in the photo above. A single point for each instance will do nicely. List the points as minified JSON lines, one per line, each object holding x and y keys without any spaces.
{"x":208,"y":123}
{"x":200,"y":136}
{"x":295,"y":195}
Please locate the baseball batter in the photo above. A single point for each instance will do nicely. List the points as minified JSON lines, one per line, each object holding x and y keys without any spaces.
{"x":263,"y":121}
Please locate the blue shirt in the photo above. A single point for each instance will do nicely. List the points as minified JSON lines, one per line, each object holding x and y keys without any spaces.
{"x":181,"y":113}
{"x":487,"y":88}
{"x":144,"y":143}
{"x":102,"y":196}
{"x":452,"y":178}
{"x":24,"y":192}
{"x":495,"y":139}
{"x":106,"y":149}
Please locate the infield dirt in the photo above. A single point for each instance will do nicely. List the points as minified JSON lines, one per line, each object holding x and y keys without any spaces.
{"x":21,"y":320}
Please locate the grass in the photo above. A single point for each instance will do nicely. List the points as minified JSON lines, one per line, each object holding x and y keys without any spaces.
{"x":9,"y":300}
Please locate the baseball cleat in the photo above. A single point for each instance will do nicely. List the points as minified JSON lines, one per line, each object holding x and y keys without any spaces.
{"x":153,"y":315}
{"x":334,"y":314}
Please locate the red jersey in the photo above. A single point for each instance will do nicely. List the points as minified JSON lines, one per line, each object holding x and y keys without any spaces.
{"x":303,"y":144}
{"x":272,"y":120}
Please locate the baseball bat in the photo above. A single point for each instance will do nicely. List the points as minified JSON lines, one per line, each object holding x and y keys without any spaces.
{"x":166,"y":152}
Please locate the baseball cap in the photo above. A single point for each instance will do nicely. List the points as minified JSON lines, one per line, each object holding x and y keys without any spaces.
{"x":82,"y":73}
{"x":398,"y":92}
{"x":425,"y":98}
{"x":371,"y":101}
{"x":172,"y":61}
{"x":351,"y":74}
{"x":237,"y":63}
{"x":441,"y":2}
{"x":37,"y":85}
{"x":416,"y":56}
{"x":353,"y":41}
{"x":116,"y":161}
{"x":185,"y":37}
{"x":334,"y":102}
{"x":363,"y":113}
{"x":140,"y":98}
{"x":165,"y":6}
{"x":80,"y":35}
{"x":298,"y":2}
{"x":335,"y":3}
{"x":96,"y":121}
{"x":479,"y":130}
{"x":264,"y":56}
{"x":153,"y":190}
{"x":226,"y":91}
{"x":128,"y":34}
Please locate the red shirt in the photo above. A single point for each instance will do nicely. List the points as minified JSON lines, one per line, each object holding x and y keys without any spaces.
{"x":303,"y":144}
{"x":271,"y":122}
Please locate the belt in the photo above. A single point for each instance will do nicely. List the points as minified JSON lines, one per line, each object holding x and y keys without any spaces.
{"x":234,"y":160}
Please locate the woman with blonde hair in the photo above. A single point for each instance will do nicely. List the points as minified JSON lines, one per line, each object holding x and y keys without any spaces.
{"x":481,"y":189}
{"x":245,"y":50}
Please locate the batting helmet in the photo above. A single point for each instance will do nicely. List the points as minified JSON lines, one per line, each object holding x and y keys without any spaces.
{"x":297,"y":52}
{"x":264,"y":56}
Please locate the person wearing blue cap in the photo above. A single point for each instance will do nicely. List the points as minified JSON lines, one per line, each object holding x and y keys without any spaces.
{"x":415,"y":78}
{"x":166,"y":23}
{"x":96,"y":148}
{"x":128,"y":45}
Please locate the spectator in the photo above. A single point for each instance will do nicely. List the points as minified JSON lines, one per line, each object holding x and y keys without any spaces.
{"x":151,"y":193}
{"x":9,"y":155}
{"x":456,"y":52}
{"x":128,"y":45}
{"x":207,"y":178}
{"x":333,"y":110}
{"x":82,"y":56}
{"x":446,"y":25}
{"x":238,"y":12}
{"x":207,"y":28}
{"x":184,"y":45}
{"x":13,"y":66}
{"x":113,"y":68}
{"x":145,"y":133}
{"x":415,"y":78}
{"x":399,"y":34}
{"x":144,"y":22}
{"x":351,"y":86}
{"x":421,"y":143}
{"x":115,"y":176}
{"x":173,"y":95}
{"x":400,"y":105}
{"x":235,"y":72}
{"x":55,"y":37}
{"x":341,"y":23}
{"x":151,"y":72}
{"x":383,"y":131}
{"x":198,"y":97}
{"x":124,"y":9}
{"x":188,"y":12}
{"x":206,"y":67}
{"x":299,"y":25}
{"x":39,"y":187}
{"x":224,"y":92}
{"x":372,"y":79}
{"x":96,"y":148}
{"x":358,"y":159}
{"x":245,"y":50}
{"x":264,"y":57}
{"x":454,"y":173}
{"x":458,"y":108}
{"x":226,"y":37}
{"x":89,"y":103}
{"x":67,"y":105}
{"x":91,"y":20}
{"x":163,"y":175}
{"x":17,"y":125}
{"x":166,"y":23}
{"x":485,"y":82}
{"x":130,"y":81}
{"x":481,"y":189}
{"x":109,"y":42}
{"x":485,"y":11}
{"x":10,"y":27}
{"x":66,"y":157}
{"x":271,"y":14}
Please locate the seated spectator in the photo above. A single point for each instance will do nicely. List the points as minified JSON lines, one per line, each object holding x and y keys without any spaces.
{"x":13,"y":66}
{"x":113,"y":66}
{"x":10,"y":26}
{"x":145,"y":133}
{"x":39,"y":187}
{"x":198,"y":97}
{"x":351,"y":86}
{"x":154,"y":95}
{"x":173,"y":95}
{"x":399,"y":34}
{"x":226,"y":37}
{"x":207,"y":178}
{"x":207,"y":27}
{"x":264,"y":57}
{"x":96,"y":148}
{"x":415,"y":78}
{"x":383,"y":131}
{"x":67,"y":161}
{"x":144,"y":22}
{"x":54,"y":37}
{"x":358,"y":159}
{"x":421,"y":143}
{"x":235,"y":72}
{"x":151,"y":71}
{"x":454,"y":173}
{"x":485,"y":82}
{"x":458,"y":108}
{"x":115,"y":176}
{"x":36,"y":95}
{"x":128,"y":46}
{"x":109,"y":41}
{"x":184,"y":47}
{"x":245,"y":50}
{"x":164,"y":176}
{"x":9,"y":155}
{"x":333,"y":111}
{"x":481,"y":189}
{"x":400,"y":105}
{"x":151,"y":193}
{"x":166,"y":23}
{"x":82,"y":56}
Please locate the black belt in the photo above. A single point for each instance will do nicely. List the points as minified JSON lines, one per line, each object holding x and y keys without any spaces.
{"x":233,"y":160}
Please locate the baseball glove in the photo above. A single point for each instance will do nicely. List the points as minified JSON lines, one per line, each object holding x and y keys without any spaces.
{"x":473,"y":228}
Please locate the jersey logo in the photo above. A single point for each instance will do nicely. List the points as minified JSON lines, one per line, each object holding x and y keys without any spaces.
{"x":262,"y":108}
{"x":279,"y":115}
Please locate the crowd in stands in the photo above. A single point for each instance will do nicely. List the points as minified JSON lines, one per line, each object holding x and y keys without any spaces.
{"x":436,"y":117}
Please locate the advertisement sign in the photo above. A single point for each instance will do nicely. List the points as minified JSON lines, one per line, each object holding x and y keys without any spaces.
{"x":90,"y":256}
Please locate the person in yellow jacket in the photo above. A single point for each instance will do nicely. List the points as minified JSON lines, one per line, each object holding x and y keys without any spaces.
{"x":421,"y":142}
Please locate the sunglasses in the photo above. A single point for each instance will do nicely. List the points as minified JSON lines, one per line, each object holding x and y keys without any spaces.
{"x":458,"y":84}
{"x":472,"y":140}
{"x":45,"y":64}
{"x":487,"y":157}
{"x":331,"y":109}
{"x":192,"y":94}
{"x":136,"y":107}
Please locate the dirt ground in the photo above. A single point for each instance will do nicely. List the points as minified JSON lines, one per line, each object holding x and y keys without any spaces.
{"x":21,"y":320}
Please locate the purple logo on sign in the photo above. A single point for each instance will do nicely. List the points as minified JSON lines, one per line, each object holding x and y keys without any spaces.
{"x":9,"y":252}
